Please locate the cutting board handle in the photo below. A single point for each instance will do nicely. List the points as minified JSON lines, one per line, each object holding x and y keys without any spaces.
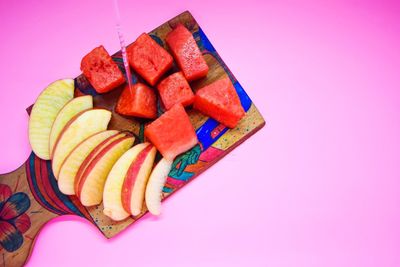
{"x":29,"y":198}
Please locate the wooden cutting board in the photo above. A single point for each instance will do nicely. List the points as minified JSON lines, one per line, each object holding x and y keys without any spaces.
{"x":29,"y":196}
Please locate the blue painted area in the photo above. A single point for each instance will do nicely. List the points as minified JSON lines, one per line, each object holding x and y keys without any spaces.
{"x":157,"y":39}
{"x":205,"y":43}
{"x":167,"y":190}
{"x":20,"y":202}
{"x":204,"y":133}
{"x":184,"y":176}
{"x":36,"y":188}
{"x":87,"y":90}
{"x":244,"y":98}
{"x":10,"y":239}
{"x":63,"y":198}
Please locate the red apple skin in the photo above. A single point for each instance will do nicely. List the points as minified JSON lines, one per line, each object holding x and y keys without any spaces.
{"x":131,"y":176}
{"x":95,"y":160}
{"x":89,"y":158}
{"x":95,"y":154}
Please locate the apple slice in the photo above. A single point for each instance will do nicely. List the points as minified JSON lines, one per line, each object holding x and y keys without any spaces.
{"x":45,"y":111}
{"x":73,"y":107}
{"x":135,"y":182}
{"x":97,"y":150}
{"x":112,"y":200}
{"x":70,"y":167}
{"x":155,"y":185}
{"x":78,"y":129}
{"x":91,"y":183}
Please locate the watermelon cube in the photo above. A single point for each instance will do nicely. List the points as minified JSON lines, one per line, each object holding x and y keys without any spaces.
{"x":101,"y":71}
{"x":186,"y":53}
{"x":175,"y":89}
{"x":220,"y":101}
{"x":148,"y":58}
{"x":172,"y":133}
{"x":142,"y":102}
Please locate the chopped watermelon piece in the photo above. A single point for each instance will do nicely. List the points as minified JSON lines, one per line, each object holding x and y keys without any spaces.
{"x":101,"y":71}
{"x":175,"y":89}
{"x":186,"y":53}
{"x":220,"y":101}
{"x":172,"y":133}
{"x":148,"y":58}
{"x":142,"y":102}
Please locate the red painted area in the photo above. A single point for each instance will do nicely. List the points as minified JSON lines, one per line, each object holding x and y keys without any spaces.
{"x":49,"y":193}
{"x":217,"y":130}
{"x":210,"y":154}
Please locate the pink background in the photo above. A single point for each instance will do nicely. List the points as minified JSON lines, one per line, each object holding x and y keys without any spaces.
{"x":318,"y":186}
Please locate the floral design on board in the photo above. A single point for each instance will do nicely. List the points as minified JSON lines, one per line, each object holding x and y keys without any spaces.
{"x":13,"y":219}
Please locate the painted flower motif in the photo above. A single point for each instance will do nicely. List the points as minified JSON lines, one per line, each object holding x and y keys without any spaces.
{"x":13,"y":220}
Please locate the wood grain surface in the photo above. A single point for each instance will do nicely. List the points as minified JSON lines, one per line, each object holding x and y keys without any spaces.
{"x":29,"y":196}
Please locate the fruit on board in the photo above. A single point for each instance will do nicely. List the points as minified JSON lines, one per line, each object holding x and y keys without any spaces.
{"x":112,"y":200}
{"x":220,"y":101}
{"x":45,"y":111}
{"x":172,"y":133}
{"x":92,"y":155}
{"x":155,"y":185}
{"x":91,"y":183}
{"x":79,"y":128}
{"x":186,"y":53}
{"x":73,"y":107}
{"x":140,"y":101}
{"x":148,"y":58}
{"x":101,"y":71}
{"x":70,"y":167}
{"x":136,"y":178}
{"x":175,"y":89}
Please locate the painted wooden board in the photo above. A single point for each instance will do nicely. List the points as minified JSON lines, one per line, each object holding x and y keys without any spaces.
{"x":29,"y":196}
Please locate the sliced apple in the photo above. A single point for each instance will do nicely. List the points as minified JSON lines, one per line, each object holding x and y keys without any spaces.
{"x":97,"y":150}
{"x":70,"y":167}
{"x":112,"y":200}
{"x":135,"y":182}
{"x":73,"y":107}
{"x":78,"y":129}
{"x":91,"y":184}
{"x":45,"y":111}
{"x":155,"y":185}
